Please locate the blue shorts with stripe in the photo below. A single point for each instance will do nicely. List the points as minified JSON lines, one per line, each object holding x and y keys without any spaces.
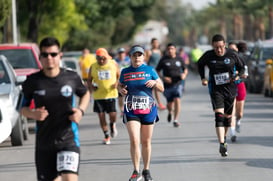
{"x":145,"y":119}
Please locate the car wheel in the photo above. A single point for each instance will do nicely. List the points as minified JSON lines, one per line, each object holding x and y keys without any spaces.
{"x":17,"y":137}
{"x":25,"y":127}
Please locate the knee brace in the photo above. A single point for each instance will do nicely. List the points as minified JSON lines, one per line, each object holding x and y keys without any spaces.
{"x":227,"y":122}
{"x":219,"y":119}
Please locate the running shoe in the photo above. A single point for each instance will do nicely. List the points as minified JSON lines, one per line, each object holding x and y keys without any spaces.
{"x":176,"y":124}
{"x":223,"y":149}
{"x":113,"y":131}
{"x":147,"y":176}
{"x":135,"y":176}
{"x":161,"y":106}
{"x":107,"y":141}
{"x":169,"y":118}
{"x":233,"y":138}
{"x":238,"y":127}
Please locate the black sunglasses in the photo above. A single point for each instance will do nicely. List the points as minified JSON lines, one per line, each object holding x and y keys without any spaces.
{"x":52,"y":54}
{"x":100,"y":57}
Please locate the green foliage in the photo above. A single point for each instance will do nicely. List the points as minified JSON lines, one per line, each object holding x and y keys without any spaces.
{"x":59,"y":22}
{"x":109,"y":22}
{"x":5,"y":11}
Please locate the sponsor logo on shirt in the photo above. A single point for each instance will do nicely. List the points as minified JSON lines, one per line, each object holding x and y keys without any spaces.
{"x":135,"y":76}
{"x":168,"y":64}
{"x":178,"y":64}
{"x":66,"y":90}
{"x":227,"y":61}
{"x":40,"y":92}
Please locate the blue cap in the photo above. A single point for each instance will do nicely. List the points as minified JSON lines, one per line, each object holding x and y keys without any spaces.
{"x":136,"y":49}
{"x":121,"y":50}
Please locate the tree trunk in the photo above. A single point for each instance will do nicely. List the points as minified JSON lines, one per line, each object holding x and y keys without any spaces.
{"x":270,"y":13}
{"x":237,"y":27}
{"x":34,"y":7}
{"x":223,"y":27}
{"x":259,"y":29}
{"x":32,"y":34}
{"x":248,"y":28}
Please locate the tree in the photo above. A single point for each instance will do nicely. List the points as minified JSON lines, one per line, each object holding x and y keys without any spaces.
{"x":5,"y":12}
{"x":109,"y":23}
{"x":48,"y":18}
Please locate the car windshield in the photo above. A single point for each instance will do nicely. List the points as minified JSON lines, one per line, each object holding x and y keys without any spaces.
{"x":4,"y":77}
{"x":20,"y":58}
{"x":71,"y":65}
{"x":267,"y":53}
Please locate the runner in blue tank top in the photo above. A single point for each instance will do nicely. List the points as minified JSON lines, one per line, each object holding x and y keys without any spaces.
{"x":140,"y":111}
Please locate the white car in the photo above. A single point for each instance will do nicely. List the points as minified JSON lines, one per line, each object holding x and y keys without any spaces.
{"x":72,"y":64}
{"x":11,"y":122}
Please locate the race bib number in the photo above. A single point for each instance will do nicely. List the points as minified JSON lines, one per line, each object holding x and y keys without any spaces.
{"x":222,"y":78}
{"x":68,"y":161}
{"x":104,"y":75}
{"x":141,"y":104}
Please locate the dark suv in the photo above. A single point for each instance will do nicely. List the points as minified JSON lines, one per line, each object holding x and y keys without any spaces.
{"x":262,"y":51}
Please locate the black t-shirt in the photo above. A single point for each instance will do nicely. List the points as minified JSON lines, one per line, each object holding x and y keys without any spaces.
{"x":171,"y":67}
{"x":221,"y":69}
{"x":58,"y":96}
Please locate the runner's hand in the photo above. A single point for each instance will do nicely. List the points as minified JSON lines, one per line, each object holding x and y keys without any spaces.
{"x":40,"y":113}
{"x":76,"y":116}
{"x":150,"y":83}
{"x":122,"y":89}
{"x":167,"y":80}
{"x":204,"y":82}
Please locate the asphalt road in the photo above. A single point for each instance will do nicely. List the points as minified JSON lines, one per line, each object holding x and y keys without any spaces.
{"x":188,"y":153}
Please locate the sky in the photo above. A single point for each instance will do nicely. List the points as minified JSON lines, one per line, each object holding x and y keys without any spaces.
{"x":198,"y":4}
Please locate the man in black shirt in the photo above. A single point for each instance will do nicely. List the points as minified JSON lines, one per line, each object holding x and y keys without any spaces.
{"x":173,"y":72}
{"x":222,"y":64}
{"x":57,"y":117}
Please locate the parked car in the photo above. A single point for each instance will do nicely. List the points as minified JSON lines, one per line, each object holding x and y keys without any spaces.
{"x":72,"y":63}
{"x":262,"y":51}
{"x":23,"y":57}
{"x":12,"y":123}
{"x":268,"y":78}
{"x":74,"y":54}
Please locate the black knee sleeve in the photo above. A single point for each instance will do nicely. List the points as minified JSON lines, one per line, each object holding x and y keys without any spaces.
{"x":219,"y":119}
{"x":227,"y":122}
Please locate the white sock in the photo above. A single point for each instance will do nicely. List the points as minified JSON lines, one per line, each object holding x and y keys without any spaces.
{"x":232,"y":131}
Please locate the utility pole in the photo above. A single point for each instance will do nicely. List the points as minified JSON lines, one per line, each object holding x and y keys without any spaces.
{"x":14,"y":22}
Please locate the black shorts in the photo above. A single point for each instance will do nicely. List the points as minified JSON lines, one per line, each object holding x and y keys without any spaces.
{"x":46,"y":163}
{"x":107,"y":105}
{"x":220,"y":100}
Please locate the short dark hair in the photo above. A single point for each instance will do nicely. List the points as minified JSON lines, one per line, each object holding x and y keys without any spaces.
{"x":242,"y":46}
{"x":49,"y":41}
{"x":218,"y":37}
{"x":171,"y":45}
{"x":153,"y":39}
{"x":232,"y":43}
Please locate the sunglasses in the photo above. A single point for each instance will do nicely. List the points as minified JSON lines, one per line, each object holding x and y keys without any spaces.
{"x":52,"y":54}
{"x":100,"y":57}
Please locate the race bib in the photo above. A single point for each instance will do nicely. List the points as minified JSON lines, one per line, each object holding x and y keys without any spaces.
{"x":104,"y":75}
{"x":68,"y":161}
{"x":141,"y":104}
{"x":222,"y":78}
